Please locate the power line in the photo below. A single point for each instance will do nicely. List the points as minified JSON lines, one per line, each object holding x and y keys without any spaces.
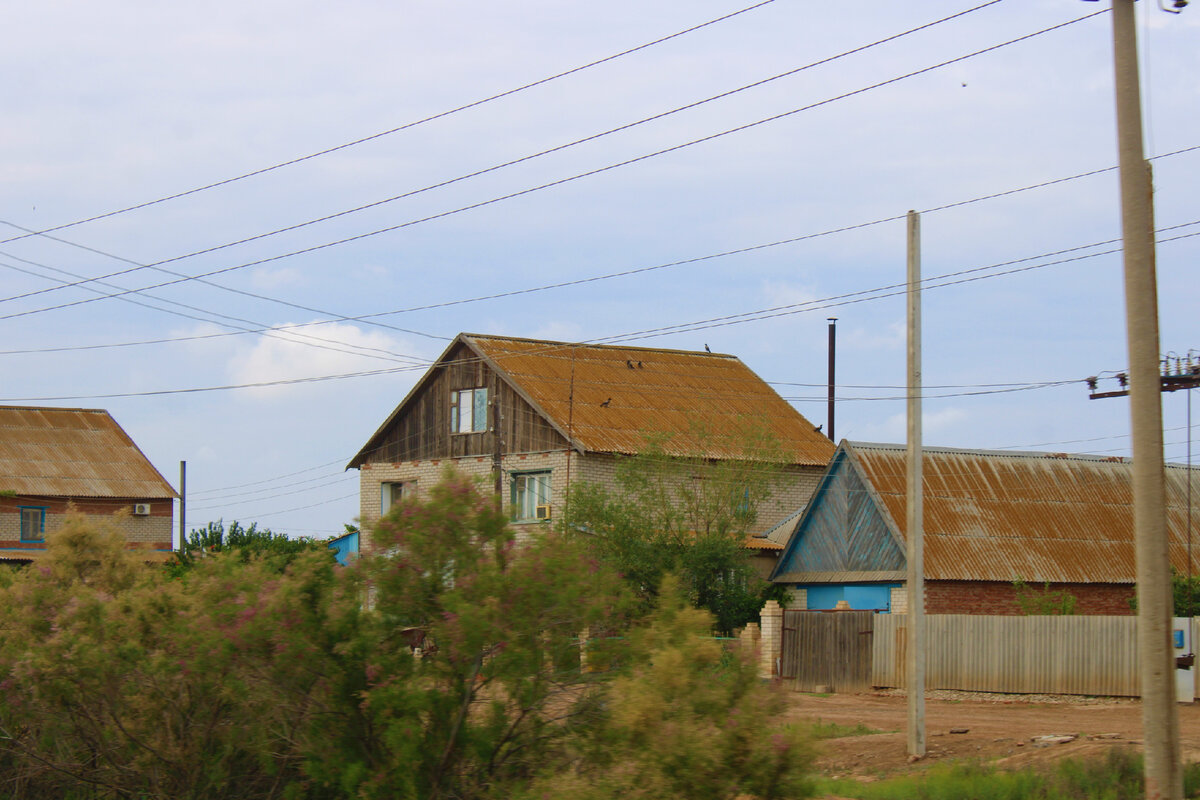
{"x":540,"y":187}
{"x":269,"y":480}
{"x":744,"y":317}
{"x":523,"y":159}
{"x":215,"y":317}
{"x":390,"y":131}
{"x":612,"y":275}
{"x":138,"y":265}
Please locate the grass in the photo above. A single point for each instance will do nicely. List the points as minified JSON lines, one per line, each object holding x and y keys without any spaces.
{"x":832,"y":730}
{"x":1117,"y":776}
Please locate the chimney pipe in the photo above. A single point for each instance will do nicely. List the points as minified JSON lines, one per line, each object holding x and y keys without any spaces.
{"x":832,"y":350}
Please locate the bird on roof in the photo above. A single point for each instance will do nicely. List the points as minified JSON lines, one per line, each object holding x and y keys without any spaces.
{"x":706,"y":348}
{"x":629,"y":363}
{"x":605,"y":403}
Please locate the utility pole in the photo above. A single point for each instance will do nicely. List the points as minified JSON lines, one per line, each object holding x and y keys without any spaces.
{"x":497,"y":444}
{"x":915,"y":578}
{"x":1160,"y":718}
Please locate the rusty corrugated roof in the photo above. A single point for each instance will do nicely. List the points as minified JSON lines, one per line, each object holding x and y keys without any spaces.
{"x":1002,"y":516}
{"x":612,"y":398}
{"x":73,"y":452}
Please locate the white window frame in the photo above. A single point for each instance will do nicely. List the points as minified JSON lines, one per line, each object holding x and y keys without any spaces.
{"x":528,"y":491}
{"x":391,"y":493}
{"x":469,"y":410}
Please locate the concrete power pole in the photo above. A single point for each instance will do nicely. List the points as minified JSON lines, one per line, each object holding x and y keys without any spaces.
{"x":1160,"y":718}
{"x":915,"y":661}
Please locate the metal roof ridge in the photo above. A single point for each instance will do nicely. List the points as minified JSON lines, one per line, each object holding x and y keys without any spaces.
{"x":591,"y":346}
{"x":1051,"y":454}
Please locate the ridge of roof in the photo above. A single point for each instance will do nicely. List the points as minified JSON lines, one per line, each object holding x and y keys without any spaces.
{"x":969,"y":451}
{"x":590,"y":346}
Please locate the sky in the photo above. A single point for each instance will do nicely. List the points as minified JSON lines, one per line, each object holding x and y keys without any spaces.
{"x":258,"y":223}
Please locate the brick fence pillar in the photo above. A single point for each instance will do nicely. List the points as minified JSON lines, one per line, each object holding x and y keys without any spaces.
{"x":772,"y":639}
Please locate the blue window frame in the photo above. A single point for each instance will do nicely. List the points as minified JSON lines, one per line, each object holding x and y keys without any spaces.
{"x":33,"y":524}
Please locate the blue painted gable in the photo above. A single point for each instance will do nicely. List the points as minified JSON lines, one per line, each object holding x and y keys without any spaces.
{"x":344,"y":547}
{"x":842,"y":530}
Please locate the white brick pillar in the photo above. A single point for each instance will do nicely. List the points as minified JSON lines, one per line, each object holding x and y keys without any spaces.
{"x":749,"y":637}
{"x":772,"y":639}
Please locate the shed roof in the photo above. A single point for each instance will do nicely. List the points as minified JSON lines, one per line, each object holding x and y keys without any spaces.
{"x":614,"y":398}
{"x":995,"y":515}
{"x":73,"y":452}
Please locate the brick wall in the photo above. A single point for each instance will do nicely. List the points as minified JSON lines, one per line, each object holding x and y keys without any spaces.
{"x":426,"y":474}
{"x":789,"y":493}
{"x":994,"y":597}
{"x":154,"y":529}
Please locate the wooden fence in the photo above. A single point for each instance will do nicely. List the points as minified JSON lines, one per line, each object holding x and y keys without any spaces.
{"x":827,"y":650}
{"x":1087,"y":655}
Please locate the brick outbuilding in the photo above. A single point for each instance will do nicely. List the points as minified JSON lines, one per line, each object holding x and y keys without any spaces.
{"x":1059,"y":524}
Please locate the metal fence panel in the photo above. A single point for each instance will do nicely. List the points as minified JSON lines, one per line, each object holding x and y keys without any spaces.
{"x":1040,"y":654}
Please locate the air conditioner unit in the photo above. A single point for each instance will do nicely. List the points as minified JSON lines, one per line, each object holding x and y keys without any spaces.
{"x":141,"y":509}
{"x":542,"y":511}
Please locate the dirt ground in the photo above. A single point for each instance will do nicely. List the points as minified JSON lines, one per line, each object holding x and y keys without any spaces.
{"x":999,"y":729}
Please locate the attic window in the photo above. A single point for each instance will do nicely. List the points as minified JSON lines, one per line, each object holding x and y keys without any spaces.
{"x":468,"y":410}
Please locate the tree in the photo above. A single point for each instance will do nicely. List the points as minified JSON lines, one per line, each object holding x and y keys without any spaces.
{"x":1033,"y":602}
{"x":685,"y":514}
{"x":222,"y":684}
{"x":501,"y":684}
{"x":240,"y":678}
{"x":689,"y":718}
{"x":248,"y":543}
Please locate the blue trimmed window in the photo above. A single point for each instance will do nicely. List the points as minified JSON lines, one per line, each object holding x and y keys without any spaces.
{"x":33,"y":524}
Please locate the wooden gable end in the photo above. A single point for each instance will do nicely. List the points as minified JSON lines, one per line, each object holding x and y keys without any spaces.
{"x":422,"y":429}
{"x":843,"y":529}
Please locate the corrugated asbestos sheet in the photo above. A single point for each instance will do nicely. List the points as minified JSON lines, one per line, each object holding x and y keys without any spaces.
{"x":71,"y":452}
{"x":611,"y":399}
{"x":997,"y":516}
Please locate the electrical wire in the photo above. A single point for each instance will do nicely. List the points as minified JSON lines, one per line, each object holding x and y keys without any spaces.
{"x":217,"y":318}
{"x":623,"y":273}
{"x":523,"y":192}
{"x":390,"y":131}
{"x":523,"y":159}
{"x":715,"y":322}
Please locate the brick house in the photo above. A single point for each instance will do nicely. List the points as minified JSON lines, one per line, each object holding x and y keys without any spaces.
{"x":52,"y":458}
{"x":990,"y":518}
{"x":550,"y":413}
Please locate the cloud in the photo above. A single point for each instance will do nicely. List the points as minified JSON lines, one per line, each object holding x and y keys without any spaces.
{"x":277,"y":277}
{"x":289,"y":353}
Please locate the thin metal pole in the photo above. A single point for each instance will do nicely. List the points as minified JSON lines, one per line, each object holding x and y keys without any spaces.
{"x":832,"y":379}
{"x":182,"y":504}
{"x":1160,"y":718}
{"x":915,"y":683}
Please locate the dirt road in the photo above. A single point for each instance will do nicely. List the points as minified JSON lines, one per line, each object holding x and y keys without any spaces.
{"x":998,"y":729}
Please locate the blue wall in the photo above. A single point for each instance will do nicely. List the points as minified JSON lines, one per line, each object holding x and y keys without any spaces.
{"x":344,"y":547}
{"x":861,"y":596}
